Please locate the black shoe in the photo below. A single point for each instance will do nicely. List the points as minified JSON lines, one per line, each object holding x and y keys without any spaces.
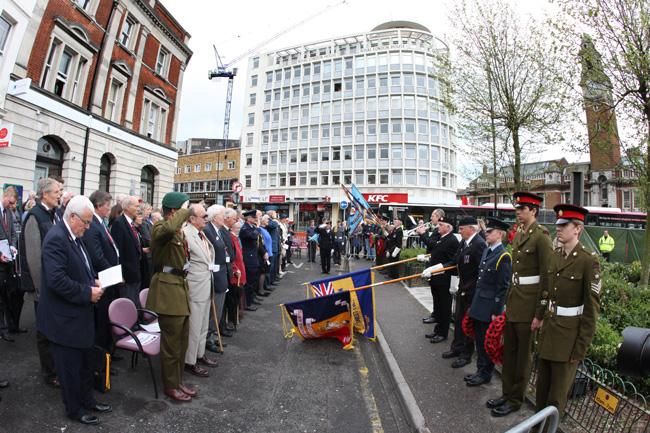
{"x":265,"y":294}
{"x":438,"y":339}
{"x":470,"y":376}
{"x":477,"y":380}
{"x":503,"y":410}
{"x":5,"y":336}
{"x":88,"y":419}
{"x":251,"y":308}
{"x":460,"y":362}
{"x":226,"y":333}
{"x":230,"y":327}
{"x":430,"y":335}
{"x":450,"y":354}
{"x":4,"y":383}
{"x":495,"y":402}
{"x":428,"y":320}
{"x":102,"y":408}
{"x":256,"y":302}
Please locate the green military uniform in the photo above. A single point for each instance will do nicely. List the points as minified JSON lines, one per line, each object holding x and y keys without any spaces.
{"x":569,"y":323}
{"x":531,"y":252}
{"x":168,"y":295}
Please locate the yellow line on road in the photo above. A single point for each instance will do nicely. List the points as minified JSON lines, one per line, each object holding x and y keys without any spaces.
{"x":368,"y":397}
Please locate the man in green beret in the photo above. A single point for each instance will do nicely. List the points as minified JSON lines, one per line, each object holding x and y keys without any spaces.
{"x":168,"y":292}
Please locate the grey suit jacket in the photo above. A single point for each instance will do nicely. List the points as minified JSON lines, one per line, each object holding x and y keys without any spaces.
{"x":199,"y":276}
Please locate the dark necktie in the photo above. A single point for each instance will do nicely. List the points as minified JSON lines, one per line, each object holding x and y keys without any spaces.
{"x":83,"y":253}
{"x":5,"y":223}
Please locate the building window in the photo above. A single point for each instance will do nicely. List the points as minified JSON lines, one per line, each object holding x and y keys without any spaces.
{"x":251,"y":119}
{"x":247,"y":181}
{"x":188,"y":169}
{"x":178,"y":170}
{"x":83,"y":4}
{"x":128,"y":30}
{"x":254,"y":81}
{"x":249,"y":159}
{"x":231,"y":165}
{"x":5,"y":29}
{"x":249,"y":139}
{"x":105,"y":173}
{"x":197,"y":168}
{"x":252,"y":98}
{"x":162,"y":62}
{"x":154,"y":120}
{"x":113,"y":101}
{"x":256,"y":62}
{"x":207,"y":166}
{"x":65,"y":72}
{"x":147,"y":182}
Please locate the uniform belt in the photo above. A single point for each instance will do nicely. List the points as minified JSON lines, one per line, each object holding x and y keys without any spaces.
{"x":174,"y":271}
{"x":524,"y":281}
{"x":569,"y":311}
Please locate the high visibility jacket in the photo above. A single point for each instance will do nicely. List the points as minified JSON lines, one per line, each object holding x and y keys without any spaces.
{"x":606,"y":244}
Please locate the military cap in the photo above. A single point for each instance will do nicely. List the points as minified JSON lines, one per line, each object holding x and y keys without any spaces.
{"x":495,"y":223}
{"x":525,"y":198}
{"x":250,"y":213}
{"x":283,"y":216}
{"x":174,"y":200}
{"x":566,"y":212}
{"x":467,"y":221}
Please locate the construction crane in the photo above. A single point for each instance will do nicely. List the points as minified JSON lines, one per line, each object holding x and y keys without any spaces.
{"x":226,"y":71}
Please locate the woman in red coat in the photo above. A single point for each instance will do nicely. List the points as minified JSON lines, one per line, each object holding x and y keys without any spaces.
{"x":238,"y":278}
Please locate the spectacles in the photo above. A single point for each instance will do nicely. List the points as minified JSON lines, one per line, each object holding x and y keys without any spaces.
{"x":86,"y":222}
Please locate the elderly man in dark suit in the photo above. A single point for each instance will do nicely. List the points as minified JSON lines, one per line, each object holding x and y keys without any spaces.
{"x":38,"y":222}
{"x":7,"y":263}
{"x":103,"y":254}
{"x":65,"y":313}
{"x":128,"y":243}
{"x":467,"y":261}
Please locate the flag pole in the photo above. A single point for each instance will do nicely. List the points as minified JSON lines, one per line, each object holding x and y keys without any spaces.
{"x":397,"y":280}
{"x":374,"y":268}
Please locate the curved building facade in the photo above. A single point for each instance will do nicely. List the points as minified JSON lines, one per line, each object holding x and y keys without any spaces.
{"x":364,"y":109}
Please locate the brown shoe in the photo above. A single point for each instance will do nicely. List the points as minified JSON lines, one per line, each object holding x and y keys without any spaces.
{"x":192,"y":392}
{"x":177,"y":394}
{"x":207,"y":361}
{"x":196,"y":370}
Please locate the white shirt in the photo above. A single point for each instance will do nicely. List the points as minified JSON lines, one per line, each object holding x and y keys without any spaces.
{"x":128,"y":220}
{"x":494,"y":247}
{"x":467,"y":242}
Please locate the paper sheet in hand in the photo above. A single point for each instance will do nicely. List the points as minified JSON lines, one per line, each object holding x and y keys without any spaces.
{"x":146,"y":338}
{"x":151,"y":327}
{"x":5,"y":250}
{"x":111,"y":276}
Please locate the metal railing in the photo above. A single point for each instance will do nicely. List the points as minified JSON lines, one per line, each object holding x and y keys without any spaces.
{"x":549,"y":413}
{"x":622,"y":408}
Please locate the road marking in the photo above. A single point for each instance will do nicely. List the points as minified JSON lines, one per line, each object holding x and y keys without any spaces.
{"x":368,"y":397}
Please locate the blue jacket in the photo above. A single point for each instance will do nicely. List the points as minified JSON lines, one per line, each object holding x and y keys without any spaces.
{"x":100,"y":246}
{"x":65,"y":313}
{"x":495,"y":272}
{"x":248,"y":236}
{"x":274,"y":231}
{"x":268,"y":242}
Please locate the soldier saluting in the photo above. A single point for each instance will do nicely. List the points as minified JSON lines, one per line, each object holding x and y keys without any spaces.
{"x":531,"y":252}
{"x":573,"y":292}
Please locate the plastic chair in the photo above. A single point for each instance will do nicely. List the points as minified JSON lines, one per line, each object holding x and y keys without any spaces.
{"x":148,"y":317}
{"x":123,"y":317}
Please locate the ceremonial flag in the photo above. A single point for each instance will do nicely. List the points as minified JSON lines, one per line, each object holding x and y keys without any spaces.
{"x":322,"y":317}
{"x":362,"y":301}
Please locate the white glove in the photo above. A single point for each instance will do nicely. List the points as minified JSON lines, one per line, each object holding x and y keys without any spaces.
{"x":422,"y":257}
{"x":396,"y":251}
{"x":285,"y":247}
{"x":332,"y":251}
{"x":428,"y":271}
{"x":387,"y":254}
{"x":436,"y":267}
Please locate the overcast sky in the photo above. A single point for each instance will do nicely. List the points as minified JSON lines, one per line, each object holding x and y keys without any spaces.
{"x":235,"y":27}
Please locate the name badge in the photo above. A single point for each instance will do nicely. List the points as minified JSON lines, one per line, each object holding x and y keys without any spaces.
{"x":227,"y":259}
{"x":466,"y":259}
{"x":186,"y":266}
{"x":214,"y":267}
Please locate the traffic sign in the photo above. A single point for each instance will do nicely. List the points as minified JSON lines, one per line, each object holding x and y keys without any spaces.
{"x":235,"y":197}
{"x":237,"y":187}
{"x":344,"y":204}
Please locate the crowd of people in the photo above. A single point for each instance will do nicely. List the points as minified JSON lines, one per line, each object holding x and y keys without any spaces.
{"x":541,"y":290}
{"x":193,"y":260}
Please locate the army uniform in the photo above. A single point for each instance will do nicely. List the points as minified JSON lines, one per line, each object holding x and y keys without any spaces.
{"x":569,"y":323}
{"x":531,"y":253}
{"x":168,"y":295}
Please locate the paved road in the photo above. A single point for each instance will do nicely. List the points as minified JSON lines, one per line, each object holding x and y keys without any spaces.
{"x":263,"y":383}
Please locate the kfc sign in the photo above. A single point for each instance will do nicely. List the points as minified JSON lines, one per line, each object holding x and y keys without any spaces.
{"x":387,"y":198}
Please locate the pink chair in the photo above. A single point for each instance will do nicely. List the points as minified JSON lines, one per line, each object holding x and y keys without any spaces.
{"x":147,"y":316}
{"x":123,"y":317}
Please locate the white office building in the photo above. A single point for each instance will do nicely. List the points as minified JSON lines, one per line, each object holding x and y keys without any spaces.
{"x":364,"y":109}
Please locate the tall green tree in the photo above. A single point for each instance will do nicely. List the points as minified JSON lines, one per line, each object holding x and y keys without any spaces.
{"x":620,"y":31}
{"x":507,"y":78}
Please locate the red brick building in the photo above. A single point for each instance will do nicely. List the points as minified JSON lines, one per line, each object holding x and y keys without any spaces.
{"x":94,"y":97}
